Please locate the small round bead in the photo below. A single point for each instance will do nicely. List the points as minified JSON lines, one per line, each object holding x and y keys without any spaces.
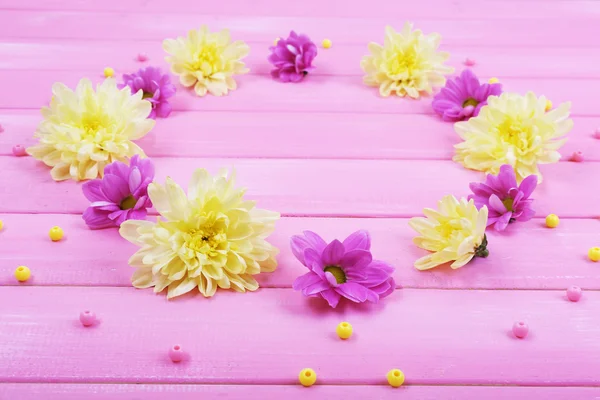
{"x":22,"y":273}
{"x":520,"y":329}
{"x":19,"y":150}
{"x":87,"y":318}
{"x":597,"y":133}
{"x":1,"y":224}
{"x":326,"y":43}
{"x":1,"y":129}
{"x":576,"y":157}
{"x":469,"y":62}
{"x":552,"y":221}
{"x":494,"y":80}
{"x":176,"y":354}
{"x":108,"y":72}
{"x":344,"y":330}
{"x":395,"y":378}
{"x":574,"y":293}
{"x":56,"y":233}
{"x":548,"y":105}
{"x":141,"y":57}
{"x":594,"y":254}
{"x":307,"y":377}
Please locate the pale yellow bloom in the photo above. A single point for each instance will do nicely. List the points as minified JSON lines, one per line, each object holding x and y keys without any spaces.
{"x":209,"y":238}
{"x":516,"y":130}
{"x":408,"y":63}
{"x":456,"y":232}
{"x":85,"y":130}
{"x":208,"y":61}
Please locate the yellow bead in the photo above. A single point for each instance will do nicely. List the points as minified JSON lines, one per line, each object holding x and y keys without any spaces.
{"x":494,"y":80}
{"x":307,"y":377}
{"x":56,"y":233}
{"x":395,"y":378}
{"x":548,"y":105}
{"x":1,"y":224}
{"x":326,"y":43}
{"x":344,"y":330}
{"x":552,"y":221}
{"x":108,"y":72}
{"x":594,"y":254}
{"x":22,"y":273}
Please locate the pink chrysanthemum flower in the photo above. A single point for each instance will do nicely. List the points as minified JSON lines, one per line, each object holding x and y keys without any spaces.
{"x":292,"y":57}
{"x":156,"y":87}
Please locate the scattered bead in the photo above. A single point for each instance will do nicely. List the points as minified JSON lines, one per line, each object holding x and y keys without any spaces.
{"x":520,"y":329}
{"x":307,"y":377}
{"x":494,"y":80}
{"x":469,"y":62}
{"x":22,"y":273}
{"x":108,"y":72}
{"x":141,"y":57}
{"x":19,"y":150}
{"x":594,"y":254}
{"x":574,"y":293}
{"x":176,"y":353}
{"x":548,"y":105}
{"x":552,"y":221}
{"x":597,"y":133}
{"x":56,"y":233}
{"x":326,"y":43}
{"x":344,"y":330}
{"x":1,"y":129}
{"x":395,"y":378}
{"x":87,"y":318}
{"x":576,"y":157}
{"x":1,"y":224}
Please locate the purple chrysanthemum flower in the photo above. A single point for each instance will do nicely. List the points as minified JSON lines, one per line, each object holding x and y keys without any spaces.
{"x":292,"y":57}
{"x":506,"y":201}
{"x":463,"y":97}
{"x":120,"y":195}
{"x":157,"y":88}
{"x":341,"y":269}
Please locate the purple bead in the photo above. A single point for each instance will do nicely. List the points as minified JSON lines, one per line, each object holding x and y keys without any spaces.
{"x":520,"y":329}
{"x":176,"y":353}
{"x":577,"y":156}
{"x":574,"y":293}
{"x":469,"y":62}
{"x":87,"y":318}
{"x":19,"y":150}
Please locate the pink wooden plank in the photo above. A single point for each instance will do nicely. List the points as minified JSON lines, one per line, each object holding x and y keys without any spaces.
{"x":298,"y":187}
{"x":340,"y":94}
{"x":289,"y":392}
{"x":365,"y":136}
{"x":153,"y":27}
{"x":458,"y":9}
{"x":527,"y":256}
{"x":434,"y":336}
{"x":341,"y":59}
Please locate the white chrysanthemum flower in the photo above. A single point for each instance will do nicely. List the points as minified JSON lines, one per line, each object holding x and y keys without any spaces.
{"x":516,"y":130}
{"x":85,"y":130}
{"x":408,"y":63}
{"x":210,"y":238}
{"x":208,"y":61}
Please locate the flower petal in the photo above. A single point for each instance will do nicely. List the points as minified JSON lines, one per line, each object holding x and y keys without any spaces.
{"x":333,"y":253}
{"x":359,"y":240}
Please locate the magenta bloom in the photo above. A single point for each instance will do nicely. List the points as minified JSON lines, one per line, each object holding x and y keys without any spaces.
{"x":157,"y":88}
{"x":463,"y":97}
{"x":341,"y":269}
{"x":506,"y":202}
{"x":292,"y":57}
{"x":120,"y":195}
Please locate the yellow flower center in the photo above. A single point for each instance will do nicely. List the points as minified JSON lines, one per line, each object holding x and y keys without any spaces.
{"x":94,"y":121}
{"x":451,"y":228}
{"x":206,"y":240}
{"x":508,"y":203}
{"x":337,"y":272}
{"x":128,"y":203}
{"x":207,"y":59}
{"x":514,"y":132}
{"x":470,"y":102}
{"x":404,"y":61}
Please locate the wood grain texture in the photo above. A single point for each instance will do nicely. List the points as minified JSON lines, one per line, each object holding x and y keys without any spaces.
{"x":527,"y":256}
{"x":228,"y":134}
{"x":267,"y":337}
{"x":11,"y":391}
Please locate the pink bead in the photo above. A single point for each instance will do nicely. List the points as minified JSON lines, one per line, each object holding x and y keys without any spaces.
{"x":1,"y":129}
{"x":576,"y":157}
{"x":574,"y":293}
{"x":597,"y":133}
{"x":469,"y":62}
{"x":520,"y":329}
{"x":19,"y":150}
{"x":176,"y":353}
{"x":142,"y":57}
{"x":87,"y":318}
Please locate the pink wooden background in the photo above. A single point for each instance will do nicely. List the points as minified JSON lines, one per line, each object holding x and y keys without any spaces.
{"x":331,"y":156}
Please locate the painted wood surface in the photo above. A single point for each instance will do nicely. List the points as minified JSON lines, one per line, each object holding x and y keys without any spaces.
{"x":528,"y":256}
{"x":267,"y":337}
{"x":10,"y":391}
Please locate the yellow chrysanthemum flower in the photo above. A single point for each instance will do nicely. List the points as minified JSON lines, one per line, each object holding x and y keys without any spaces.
{"x":456,"y":232}
{"x":208,"y":61}
{"x":516,"y":130}
{"x":85,"y":130}
{"x":408,"y":63}
{"x":210,"y":238}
